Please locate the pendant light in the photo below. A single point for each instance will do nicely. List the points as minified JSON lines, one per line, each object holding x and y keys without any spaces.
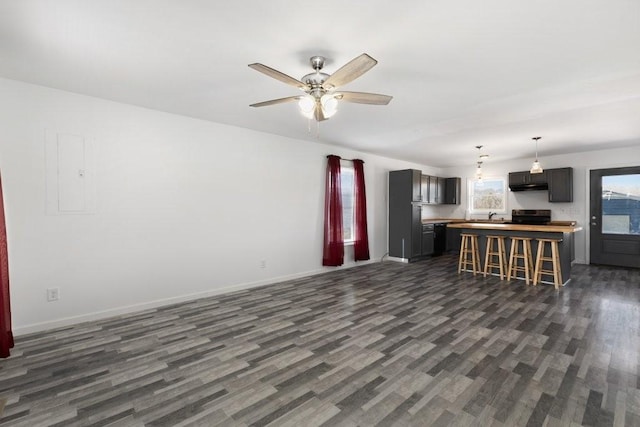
{"x":479,"y":163}
{"x":536,"y":167}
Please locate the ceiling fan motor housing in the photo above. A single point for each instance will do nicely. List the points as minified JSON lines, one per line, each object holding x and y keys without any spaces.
{"x":315,"y":79}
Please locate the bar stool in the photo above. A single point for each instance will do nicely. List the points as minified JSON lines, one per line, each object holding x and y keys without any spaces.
{"x":469,"y":253}
{"x":491,"y":253}
{"x":525,"y":256}
{"x":554,"y":259}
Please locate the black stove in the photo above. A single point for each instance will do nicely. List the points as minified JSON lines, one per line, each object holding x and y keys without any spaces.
{"x":531,"y":216}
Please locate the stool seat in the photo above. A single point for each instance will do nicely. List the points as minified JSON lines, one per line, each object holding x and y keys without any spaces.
{"x":554,"y":259}
{"x":469,"y":253}
{"x":525,"y":256}
{"x":492,"y":253}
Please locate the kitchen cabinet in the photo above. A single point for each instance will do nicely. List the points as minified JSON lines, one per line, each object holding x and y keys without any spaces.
{"x":451,"y":191}
{"x":560,"y":184}
{"x":526,"y":178}
{"x":416,"y":184}
{"x":424,"y":185}
{"x":557,"y":182}
{"x":427,"y":240}
{"x":440,"y":190}
{"x":433,"y":190}
{"x":405,"y":215}
{"x":453,"y":239}
{"x":430,"y":187}
{"x":409,"y":190}
{"x":416,"y":231}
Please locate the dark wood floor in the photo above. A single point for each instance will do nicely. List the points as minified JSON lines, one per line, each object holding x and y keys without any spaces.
{"x":384,"y":344}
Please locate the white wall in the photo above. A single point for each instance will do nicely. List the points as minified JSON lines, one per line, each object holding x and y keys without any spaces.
{"x":581,"y":163}
{"x":184,"y":208}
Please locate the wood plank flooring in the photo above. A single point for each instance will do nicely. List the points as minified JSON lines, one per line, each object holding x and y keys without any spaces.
{"x":384,"y":344}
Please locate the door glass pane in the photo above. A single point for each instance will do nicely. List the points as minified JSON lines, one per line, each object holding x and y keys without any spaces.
{"x":621,"y":204}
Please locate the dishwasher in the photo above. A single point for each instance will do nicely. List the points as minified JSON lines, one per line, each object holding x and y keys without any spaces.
{"x":440,"y":239}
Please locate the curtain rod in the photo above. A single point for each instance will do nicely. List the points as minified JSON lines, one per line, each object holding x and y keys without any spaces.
{"x":349,"y":160}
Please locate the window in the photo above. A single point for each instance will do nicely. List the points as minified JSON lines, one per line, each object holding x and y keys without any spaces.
{"x":488,"y":195}
{"x":621,"y":204}
{"x":347,"y":187}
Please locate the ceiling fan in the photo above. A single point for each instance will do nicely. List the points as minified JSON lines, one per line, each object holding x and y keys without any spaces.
{"x":321,"y":96}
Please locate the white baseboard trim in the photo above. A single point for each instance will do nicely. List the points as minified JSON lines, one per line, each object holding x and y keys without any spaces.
{"x":88,"y":317}
{"x":396,"y":259}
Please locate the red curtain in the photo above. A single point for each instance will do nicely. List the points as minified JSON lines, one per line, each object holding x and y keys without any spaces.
{"x":333,"y":251}
{"x":361,"y":244}
{"x":6,"y":336}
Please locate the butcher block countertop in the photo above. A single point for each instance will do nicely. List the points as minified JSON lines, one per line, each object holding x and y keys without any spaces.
{"x":553,"y":227}
{"x":442,"y":220}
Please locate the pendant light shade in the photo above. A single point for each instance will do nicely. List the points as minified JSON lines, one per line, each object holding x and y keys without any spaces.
{"x":536,"y":167}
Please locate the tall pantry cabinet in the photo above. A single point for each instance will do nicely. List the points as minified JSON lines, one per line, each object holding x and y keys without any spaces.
{"x":405,"y":215}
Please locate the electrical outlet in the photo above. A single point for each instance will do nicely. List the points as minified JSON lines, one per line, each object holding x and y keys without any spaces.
{"x":53,"y":294}
{"x":263,"y":264}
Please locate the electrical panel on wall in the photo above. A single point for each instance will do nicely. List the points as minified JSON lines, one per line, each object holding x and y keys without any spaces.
{"x":70,"y":174}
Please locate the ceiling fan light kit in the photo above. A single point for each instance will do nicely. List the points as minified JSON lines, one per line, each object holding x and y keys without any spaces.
{"x":307,"y":105}
{"x":321,"y":97}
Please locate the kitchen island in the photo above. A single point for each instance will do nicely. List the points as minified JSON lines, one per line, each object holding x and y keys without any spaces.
{"x":563,"y":231}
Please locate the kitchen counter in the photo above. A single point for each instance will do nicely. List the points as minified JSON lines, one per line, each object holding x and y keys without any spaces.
{"x":561,"y":230}
{"x":554,"y":227}
{"x":442,"y":220}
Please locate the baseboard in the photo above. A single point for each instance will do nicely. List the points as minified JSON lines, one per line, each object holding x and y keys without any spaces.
{"x":397,"y":259}
{"x":88,"y":317}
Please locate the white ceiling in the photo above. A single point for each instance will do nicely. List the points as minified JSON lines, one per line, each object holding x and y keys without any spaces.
{"x":462,"y":72}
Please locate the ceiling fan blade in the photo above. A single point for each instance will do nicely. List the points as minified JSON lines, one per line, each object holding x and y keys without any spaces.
{"x":364,"y":98}
{"x":279,"y":76}
{"x":350,"y":71}
{"x":275,"y":101}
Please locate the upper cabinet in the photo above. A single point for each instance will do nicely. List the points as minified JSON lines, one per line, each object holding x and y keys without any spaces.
{"x":558,"y":183}
{"x":452,"y":191}
{"x":409,"y":185}
{"x":440,"y":191}
{"x":415,"y":177}
{"x":424,"y":180}
{"x":405,"y":185}
{"x":430,"y":189}
{"x":523,"y":181}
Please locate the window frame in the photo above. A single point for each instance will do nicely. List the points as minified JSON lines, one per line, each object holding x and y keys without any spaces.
{"x":471,"y":195}
{"x":347,"y":165}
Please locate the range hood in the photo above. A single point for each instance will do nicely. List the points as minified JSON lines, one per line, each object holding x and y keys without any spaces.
{"x":529,"y":187}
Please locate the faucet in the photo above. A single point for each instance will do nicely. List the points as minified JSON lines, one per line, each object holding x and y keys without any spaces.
{"x":491,"y":214}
